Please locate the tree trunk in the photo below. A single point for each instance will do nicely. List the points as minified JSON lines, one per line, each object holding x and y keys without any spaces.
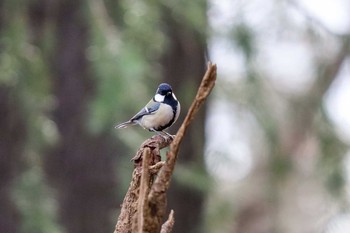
{"x":12,"y":140}
{"x":81,"y":165}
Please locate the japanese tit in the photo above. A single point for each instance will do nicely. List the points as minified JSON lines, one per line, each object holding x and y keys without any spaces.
{"x":159,"y":114}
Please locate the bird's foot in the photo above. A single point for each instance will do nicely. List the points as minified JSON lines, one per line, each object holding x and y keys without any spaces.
{"x":168,"y":135}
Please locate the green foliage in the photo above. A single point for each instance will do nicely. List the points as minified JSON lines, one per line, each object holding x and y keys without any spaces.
{"x":121,"y":61}
{"x":189,"y":13}
{"x":13,"y":41}
{"x":142,"y":27}
{"x":220,"y":212}
{"x":333,"y":150}
{"x":35,"y":200}
{"x":24,"y":70}
{"x":194,"y":177}
{"x":244,"y":37}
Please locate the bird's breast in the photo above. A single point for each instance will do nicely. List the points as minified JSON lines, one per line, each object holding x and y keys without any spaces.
{"x":158,"y":119}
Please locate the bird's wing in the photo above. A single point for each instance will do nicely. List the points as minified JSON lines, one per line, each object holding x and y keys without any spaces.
{"x":150,"y":108}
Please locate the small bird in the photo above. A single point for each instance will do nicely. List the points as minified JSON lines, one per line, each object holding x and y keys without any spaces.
{"x":159,"y":114}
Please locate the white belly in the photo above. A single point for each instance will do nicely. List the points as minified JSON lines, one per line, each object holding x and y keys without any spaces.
{"x":161,"y":118}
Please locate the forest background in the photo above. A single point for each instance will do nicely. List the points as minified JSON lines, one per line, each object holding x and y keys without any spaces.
{"x":268,"y":153}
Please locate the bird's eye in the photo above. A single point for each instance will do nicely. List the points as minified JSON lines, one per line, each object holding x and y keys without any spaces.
{"x":168,"y":93}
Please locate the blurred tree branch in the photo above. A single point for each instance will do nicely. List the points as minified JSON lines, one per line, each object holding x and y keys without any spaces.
{"x":304,"y":133}
{"x":329,"y":71}
{"x":144,"y":205}
{"x":307,"y":105}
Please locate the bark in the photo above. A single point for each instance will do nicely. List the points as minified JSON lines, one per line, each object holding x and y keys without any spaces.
{"x":130,"y":204}
{"x":167,"y":227}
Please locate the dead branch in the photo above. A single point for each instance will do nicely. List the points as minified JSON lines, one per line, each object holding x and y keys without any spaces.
{"x":144,"y":205}
{"x":130,"y":202}
{"x":157,"y":195}
{"x":167,"y":227}
{"x":144,"y":190}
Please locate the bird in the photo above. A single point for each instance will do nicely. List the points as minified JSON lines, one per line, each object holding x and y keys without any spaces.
{"x":160,"y":113}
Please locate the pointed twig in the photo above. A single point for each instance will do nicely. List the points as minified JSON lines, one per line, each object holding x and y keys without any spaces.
{"x":167,"y":227}
{"x":130,"y":203}
{"x":157,"y":196}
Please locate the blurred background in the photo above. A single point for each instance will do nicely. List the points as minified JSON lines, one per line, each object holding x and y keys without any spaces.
{"x":268,"y":153}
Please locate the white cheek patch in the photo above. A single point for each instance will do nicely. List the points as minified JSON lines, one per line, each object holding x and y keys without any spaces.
{"x":159,"y":98}
{"x":174,"y":96}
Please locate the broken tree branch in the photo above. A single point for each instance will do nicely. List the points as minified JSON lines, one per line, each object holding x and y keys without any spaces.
{"x":130,"y":202}
{"x":157,"y":195}
{"x":144,"y":205}
{"x":167,"y":227}
{"x":144,"y":190}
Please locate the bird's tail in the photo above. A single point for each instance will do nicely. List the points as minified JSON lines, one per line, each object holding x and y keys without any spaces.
{"x":125,"y":124}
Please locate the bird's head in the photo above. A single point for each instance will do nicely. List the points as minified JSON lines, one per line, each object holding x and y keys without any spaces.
{"x":163,"y":90}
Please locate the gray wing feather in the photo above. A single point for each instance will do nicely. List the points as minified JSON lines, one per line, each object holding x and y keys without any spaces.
{"x":124,"y":125}
{"x":150,"y":108}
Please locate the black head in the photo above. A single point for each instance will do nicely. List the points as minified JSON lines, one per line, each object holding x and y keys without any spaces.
{"x":164,"y":89}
